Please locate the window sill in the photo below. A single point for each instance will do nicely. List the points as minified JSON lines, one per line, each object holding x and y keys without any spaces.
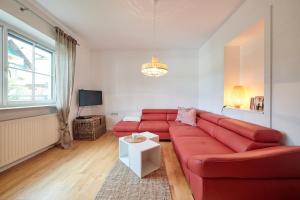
{"x":11,"y":113}
{"x":27,"y":107}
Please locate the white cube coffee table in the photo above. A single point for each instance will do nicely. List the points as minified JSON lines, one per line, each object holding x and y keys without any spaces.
{"x":142,"y":158}
{"x":151,"y":136}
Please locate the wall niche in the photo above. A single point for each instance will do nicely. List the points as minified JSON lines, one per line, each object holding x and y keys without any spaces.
{"x":244,"y":69}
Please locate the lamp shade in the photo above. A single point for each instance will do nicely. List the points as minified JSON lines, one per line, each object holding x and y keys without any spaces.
{"x":238,"y":96}
{"x":154,"y":68}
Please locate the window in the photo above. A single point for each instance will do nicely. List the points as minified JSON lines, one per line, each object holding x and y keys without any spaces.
{"x":27,"y":71}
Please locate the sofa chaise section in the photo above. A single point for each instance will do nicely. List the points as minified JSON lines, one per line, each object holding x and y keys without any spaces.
{"x":186,"y":147}
{"x":268,"y":173}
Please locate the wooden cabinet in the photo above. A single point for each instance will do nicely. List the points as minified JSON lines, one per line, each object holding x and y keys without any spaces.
{"x":90,"y":127}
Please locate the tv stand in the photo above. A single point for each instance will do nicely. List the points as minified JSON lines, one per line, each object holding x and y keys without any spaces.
{"x":89,"y":127}
{"x":84,"y":117}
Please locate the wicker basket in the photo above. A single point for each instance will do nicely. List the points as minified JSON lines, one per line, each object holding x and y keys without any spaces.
{"x":91,"y":128}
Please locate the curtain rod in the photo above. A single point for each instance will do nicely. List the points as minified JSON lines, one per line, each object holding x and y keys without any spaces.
{"x":24,"y":8}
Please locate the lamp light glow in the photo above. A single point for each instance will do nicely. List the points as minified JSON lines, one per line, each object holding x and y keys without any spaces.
{"x":154,"y":68}
{"x":238,"y":96}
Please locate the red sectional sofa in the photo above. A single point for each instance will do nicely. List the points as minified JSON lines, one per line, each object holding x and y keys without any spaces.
{"x":224,"y":158}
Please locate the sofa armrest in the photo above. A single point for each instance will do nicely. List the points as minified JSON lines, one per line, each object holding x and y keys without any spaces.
{"x":272,"y":162}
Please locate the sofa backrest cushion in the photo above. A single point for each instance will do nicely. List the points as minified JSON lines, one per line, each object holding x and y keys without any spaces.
{"x":199,"y":112}
{"x":251,"y":131}
{"x":211,"y":117}
{"x":208,"y":121}
{"x":206,"y":126}
{"x":171,"y":117}
{"x":154,"y":117}
{"x":237,"y":142}
{"x":159,"y":111}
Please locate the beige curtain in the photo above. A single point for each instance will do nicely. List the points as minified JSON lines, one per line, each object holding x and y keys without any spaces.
{"x":65,"y":70}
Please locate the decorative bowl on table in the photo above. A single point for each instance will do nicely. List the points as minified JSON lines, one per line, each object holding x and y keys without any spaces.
{"x":135,"y":138}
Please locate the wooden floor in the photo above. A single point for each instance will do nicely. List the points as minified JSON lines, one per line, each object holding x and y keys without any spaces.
{"x":78,"y":173}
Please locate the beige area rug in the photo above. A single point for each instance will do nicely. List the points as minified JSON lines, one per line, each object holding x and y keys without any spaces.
{"x":123,"y":184}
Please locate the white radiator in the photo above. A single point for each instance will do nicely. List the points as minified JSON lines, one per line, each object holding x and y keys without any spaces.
{"x":22,"y":137}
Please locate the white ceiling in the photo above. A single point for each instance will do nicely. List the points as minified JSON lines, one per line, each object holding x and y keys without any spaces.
{"x":127,"y":24}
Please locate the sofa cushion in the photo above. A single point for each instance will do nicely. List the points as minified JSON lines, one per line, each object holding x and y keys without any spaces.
{"x":175,"y":123}
{"x":190,"y":146}
{"x":189,"y":117}
{"x":211,"y":117}
{"x":171,"y":117}
{"x":162,"y":135}
{"x":182,"y":111}
{"x":159,"y":111}
{"x":160,"y":126}
{"x":207,"y":126}
{"x":154,"y":117}
{"x":251,"y":131}
{"x":186,"y":131}
{"x":238,"y":143}
{"x":124,"y":126}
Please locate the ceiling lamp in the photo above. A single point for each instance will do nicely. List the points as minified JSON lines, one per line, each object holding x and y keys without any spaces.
{"x":154,"y":68}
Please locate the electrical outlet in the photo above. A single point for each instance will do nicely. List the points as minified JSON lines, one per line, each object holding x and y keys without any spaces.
{"x":114,"y":114}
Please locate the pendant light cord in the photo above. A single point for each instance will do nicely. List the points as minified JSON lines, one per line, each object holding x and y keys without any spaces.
{"x":154,"y":27}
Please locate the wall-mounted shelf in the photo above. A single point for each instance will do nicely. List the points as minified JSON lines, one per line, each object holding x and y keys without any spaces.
{"x":243,"y":110}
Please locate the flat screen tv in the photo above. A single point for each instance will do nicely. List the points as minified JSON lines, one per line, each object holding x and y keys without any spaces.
{"x":90,"y":97}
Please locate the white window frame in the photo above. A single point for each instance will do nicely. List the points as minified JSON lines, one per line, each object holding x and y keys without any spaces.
{"x":15,"y":32}
{"x":1,"y":64}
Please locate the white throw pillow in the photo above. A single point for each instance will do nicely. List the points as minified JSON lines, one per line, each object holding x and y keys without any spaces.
{"x":134,"y":117}
{"x":189,"y":117}
{"x":180,"y":112}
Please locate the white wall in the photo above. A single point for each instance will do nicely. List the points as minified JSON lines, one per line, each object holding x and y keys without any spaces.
{"x":82,"y":80}
{"x":286,"y":69}
{"x":126,"y":90}
{"x":285,"y":50}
